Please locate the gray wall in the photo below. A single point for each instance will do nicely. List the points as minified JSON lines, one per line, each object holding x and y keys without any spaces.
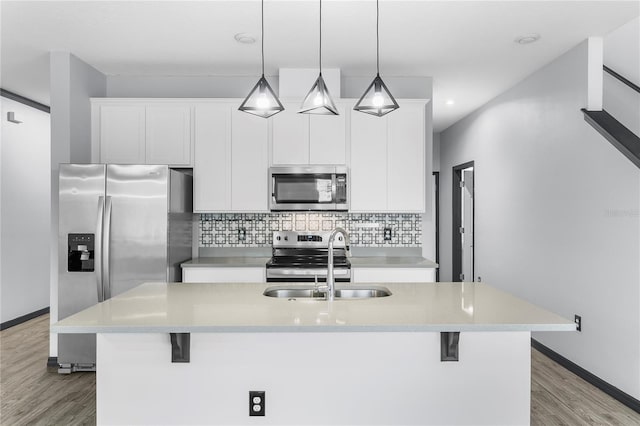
{"x":24,"y":211}
{"x":622,"y":54}
{"x":557,"y":215}
{"x":73,"y":82}
{"x":124,"y":86}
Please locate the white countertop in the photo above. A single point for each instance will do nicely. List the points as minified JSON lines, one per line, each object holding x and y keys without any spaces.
{"x":356,"y":262}
{"x":191,"y":307}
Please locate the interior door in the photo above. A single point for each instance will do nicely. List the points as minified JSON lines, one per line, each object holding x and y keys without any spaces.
{"x":467,"y":225}
{"x":136,"y":214}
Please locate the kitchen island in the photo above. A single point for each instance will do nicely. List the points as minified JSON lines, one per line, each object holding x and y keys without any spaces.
{"x":431,"y":353}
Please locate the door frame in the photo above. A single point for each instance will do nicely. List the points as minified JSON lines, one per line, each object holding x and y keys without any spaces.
{"x":436,"y":180}
{"x":456,"y":209}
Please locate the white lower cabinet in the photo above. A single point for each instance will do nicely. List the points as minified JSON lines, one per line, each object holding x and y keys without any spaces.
{"x":223,"y":275}
{"x":393,"y":275}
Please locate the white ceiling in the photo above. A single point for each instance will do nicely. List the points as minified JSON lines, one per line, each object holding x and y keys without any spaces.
{"x":466,"y":46}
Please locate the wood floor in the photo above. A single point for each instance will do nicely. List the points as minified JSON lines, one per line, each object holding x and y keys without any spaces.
{"x":30,"y":394}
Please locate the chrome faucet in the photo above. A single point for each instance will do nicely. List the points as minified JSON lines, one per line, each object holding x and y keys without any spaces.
{"x":331,"y":283}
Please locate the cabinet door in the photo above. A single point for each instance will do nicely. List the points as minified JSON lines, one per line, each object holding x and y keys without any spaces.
{"x":168,"y":134}
{"x":223,"y":275}
{"x":249,"y":162}
{"x":368,"y":163}
{"x":393,"y":275}
{"x":290,"y":136}
{"x":406,"y":180}
{"x":122,"y":134}
{"x":212,"y":164}
{"x":327,"y":138}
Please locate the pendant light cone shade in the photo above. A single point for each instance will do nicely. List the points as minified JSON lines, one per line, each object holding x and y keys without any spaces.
{"x":262,"y":101}
{"x":377,"y":100}
{"x":318,"y":100}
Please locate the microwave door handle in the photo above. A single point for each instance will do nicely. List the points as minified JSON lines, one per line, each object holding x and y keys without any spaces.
{"x":334,"y":189}
{"x":97,"y":261}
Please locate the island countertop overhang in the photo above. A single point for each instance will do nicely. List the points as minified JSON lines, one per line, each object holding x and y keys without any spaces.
{"x":242,"y":308}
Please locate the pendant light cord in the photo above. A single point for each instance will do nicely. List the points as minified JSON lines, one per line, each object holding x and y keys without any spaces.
{"x":262,"y":37}
{"x":320,"y":50}
{"x":378,"y":37}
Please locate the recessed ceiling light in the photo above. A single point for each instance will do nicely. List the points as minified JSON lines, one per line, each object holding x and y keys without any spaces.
{"x":245,"y":38}
{"x":527,"y":38}
{"x":450,"y":102}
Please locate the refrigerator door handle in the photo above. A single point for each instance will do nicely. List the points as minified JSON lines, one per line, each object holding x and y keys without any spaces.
{"x":98,"y":248}
{"x":106,"y":250}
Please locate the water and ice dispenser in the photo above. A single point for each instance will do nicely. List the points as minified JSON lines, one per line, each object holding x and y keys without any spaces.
{"x":80,"y":252}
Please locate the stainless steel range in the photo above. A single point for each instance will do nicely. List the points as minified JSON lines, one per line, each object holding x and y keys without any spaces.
{"x":303,"y":257}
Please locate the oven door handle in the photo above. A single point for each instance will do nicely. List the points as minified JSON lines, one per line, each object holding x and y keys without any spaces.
{"x":271,"y":272}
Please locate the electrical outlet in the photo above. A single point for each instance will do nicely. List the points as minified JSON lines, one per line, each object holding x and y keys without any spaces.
{"x":387,"y":234}
{"x":578,"y":320}
{"x":256,"y":403}
{"x":242,"y":234}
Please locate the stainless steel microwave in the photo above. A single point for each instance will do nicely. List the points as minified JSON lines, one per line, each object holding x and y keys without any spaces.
{"x":309,"y":188}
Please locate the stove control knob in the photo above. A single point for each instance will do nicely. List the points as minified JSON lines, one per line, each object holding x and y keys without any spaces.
{"x":286,"y":238}
{"x":278,"y":238}
{"x":339,"y":238}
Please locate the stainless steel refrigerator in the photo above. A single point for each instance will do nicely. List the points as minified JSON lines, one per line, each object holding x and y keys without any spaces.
{"x":120,"y":226}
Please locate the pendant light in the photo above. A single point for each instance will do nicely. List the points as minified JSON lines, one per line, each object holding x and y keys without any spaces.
{"x":377,"y":100}
{"x":262,"y":101}
{"x":318,"y":100}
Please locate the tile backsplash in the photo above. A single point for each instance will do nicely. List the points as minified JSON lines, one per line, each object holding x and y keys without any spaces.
{"x":365,"y":230}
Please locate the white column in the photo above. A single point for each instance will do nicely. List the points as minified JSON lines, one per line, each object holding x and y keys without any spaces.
{"x":595,"y":60}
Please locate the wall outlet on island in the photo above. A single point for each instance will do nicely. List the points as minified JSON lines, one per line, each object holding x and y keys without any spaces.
{"x":242,"y":234}
{"x":578,"y":320}
{"x":256,"y":403}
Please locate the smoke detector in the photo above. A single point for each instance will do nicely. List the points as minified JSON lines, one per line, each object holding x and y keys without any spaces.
{"x":245,"y":38}
{"x":527,"y":38}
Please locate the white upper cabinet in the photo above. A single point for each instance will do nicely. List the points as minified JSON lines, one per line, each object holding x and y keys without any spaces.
{"x":327,"y":137}
{"x":231,"y":159}
{"x":307,"y":138}
{"x":290,"y":133}
{"x":141,"y":132}
{"x":406,"y":159}
{"x":388,"y":160}
{"x":212,"y":164}
{"x":249,"y":162}
{"x":121,"y":133}
{"x":368,"y":163}
{"x":168,"y":134}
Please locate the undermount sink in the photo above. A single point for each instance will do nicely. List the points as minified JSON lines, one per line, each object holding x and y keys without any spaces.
{"x":313,"y":293}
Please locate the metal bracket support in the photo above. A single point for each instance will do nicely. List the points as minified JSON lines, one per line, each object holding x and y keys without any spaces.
{"x":180,"y":347}
{"x":449,"y":345}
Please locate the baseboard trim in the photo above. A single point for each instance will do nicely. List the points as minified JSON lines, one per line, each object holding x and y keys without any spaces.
{"x":24,"y":318}
{"x":596,"y":381}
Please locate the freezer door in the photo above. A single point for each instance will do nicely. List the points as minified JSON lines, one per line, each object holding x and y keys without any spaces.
{"x":136,"y":212}
{"x":81,"y":187}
